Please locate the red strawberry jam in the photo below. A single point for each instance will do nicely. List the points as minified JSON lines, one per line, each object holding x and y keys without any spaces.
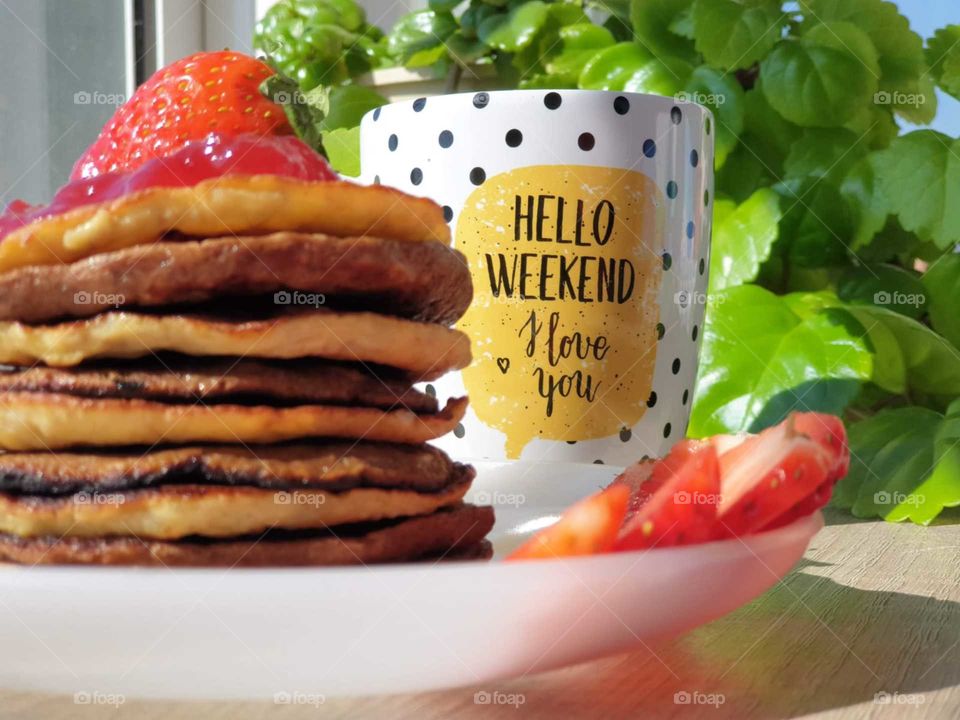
{"x":214,"y":156}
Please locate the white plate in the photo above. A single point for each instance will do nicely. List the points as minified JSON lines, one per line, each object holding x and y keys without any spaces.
{"x":403,"y":628}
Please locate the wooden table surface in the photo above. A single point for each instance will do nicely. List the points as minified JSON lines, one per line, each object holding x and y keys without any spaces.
{"x":868,"y":625}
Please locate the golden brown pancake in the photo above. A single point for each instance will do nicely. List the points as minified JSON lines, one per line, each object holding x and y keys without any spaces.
{"x":453,"y":532}
{"x":215,"y":380}
{"x":231,"y":205}
{"x":169,"y":512}
{"x":52,"y":422}
{"x":425,"y":350}
{"x":426,"y":281}
{"x":332,"y":466}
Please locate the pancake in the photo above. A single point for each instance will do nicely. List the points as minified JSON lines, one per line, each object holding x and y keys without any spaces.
{"x":214,"y":380}
{"x":171,"y":512}
{"x":51,"y":422}
{"x":230,"y":205}
{"x":448,"y":533}
{"x":332,"y":466}
{"x":426,"y":281}
{"x":425,"y":350}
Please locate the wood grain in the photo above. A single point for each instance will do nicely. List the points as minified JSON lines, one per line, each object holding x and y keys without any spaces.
{"x":873,"y":608}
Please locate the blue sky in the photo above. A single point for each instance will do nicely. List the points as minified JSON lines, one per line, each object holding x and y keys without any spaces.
{"x":925,"y":17}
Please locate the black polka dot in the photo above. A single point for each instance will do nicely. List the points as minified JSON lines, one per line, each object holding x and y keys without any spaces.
{"x":376,"y":179}
{"x":447,"y":213}
{"x":660,"y":331}
{"x":477,"y":176}
{"x":459,"y":430}
{"x":552,"y":100}
{"x":667,"y":261}
{"x":598,"y":462}
{"x":585,"y":141}
{"x":685,"y":397}
{"x":703,"y":266}
{"x":676,"y":114}
{"x":675,"y":368}
{"x":706,"y":197}
{"x":416,"y":176}
{"x":621,"y":105}
{"x":376,"y":114}
{"x":419,"y":104}
{"x":690,"y":229}
{"x":649,"y":148}
{"x":445,"y":139}
{"x":695,"y":333}
{"x":430,"y":390}
{"x":672,"y":189}
{"x":666,"y":430}
{"x":392,"y":142}
{"x":625,"y":435}
{"x":694,"y":158}
{"x":481,"y":100}
{"x":571,"y":442}
{"x":652,"y":400}
{"x":514,"y":138}
{"x":707,"y":126}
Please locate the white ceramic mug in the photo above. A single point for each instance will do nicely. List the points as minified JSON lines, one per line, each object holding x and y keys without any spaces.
{"x":585,"y":219}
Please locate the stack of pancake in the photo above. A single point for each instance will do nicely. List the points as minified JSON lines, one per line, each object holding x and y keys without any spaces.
{"x":232,"y":383}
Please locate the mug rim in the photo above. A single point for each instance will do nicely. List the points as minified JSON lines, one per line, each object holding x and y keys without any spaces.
{"x":655,"y":98}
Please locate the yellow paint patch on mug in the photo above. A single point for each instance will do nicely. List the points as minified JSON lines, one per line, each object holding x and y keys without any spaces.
{"x":566,"y":268}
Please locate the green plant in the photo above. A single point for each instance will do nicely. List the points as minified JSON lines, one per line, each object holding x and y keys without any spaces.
{"x":834,"y":283}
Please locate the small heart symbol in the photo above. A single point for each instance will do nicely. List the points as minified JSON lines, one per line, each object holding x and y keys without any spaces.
{"x":503,"y":364}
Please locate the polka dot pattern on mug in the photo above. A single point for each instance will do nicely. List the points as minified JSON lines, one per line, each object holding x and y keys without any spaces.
{"x":446,"y":147}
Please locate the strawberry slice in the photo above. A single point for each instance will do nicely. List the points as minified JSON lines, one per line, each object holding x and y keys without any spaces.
{"x":587,"y":528}
{"x":828,"y":431}
{"x":767,"y":475}
{"x":681,"y":498}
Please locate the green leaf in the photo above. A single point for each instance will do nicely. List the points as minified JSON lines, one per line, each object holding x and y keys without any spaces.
{"x":942,"y":281}
{"x":827,"y":153}
{"x":428,"y":57}
{"x":418,"y":31}
{"x":931,"y":364}
{"x":889,"y":286}
{"x":817,"y":223}
{"x":610,"y":68}
{"x":904,"y":465}
{"x":742,"y":238}
{"x":306,"y":111}
{"x":579,"y":43}
{"x":742,"y":173}
{"x":516,"y":29}
{"x":343,"y":150}
{"x":861,"y":191}
{"x":349,"y":103}
{"x":464,"y":51}
{"x":661,"y":76}
{"x":943,"y":55}
{"x":723,"y":95}
{"x":733,"y":34}
{"x":816,"y":85}
{"x":764,"y":356}
{"x":919,"y":174}
{"x":899,"y":49}
{"x":767,"y":134}
{"x":845,"y":36}
{"x":652,"y":21}
{"x":443,"y":5}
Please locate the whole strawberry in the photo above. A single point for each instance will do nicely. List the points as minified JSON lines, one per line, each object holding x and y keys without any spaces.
{"x":209,"y":92}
